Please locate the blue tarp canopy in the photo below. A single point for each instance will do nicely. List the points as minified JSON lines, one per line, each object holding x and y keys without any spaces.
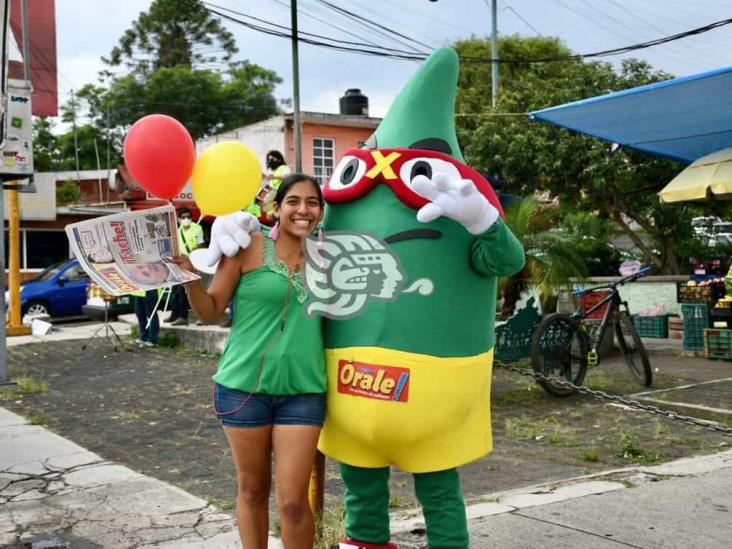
{"x":682,"y":119}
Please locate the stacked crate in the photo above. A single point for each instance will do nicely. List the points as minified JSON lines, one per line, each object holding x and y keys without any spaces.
{"x":696,"y":319}
{"x":675,"y":327}
{"x":651,"y":326}
{"x":718,"y":344}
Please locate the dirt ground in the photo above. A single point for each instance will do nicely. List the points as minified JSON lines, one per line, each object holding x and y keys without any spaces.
{"x":150,"y":409}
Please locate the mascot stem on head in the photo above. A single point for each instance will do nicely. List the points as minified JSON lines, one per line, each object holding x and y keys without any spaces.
{"x":409,"y":379}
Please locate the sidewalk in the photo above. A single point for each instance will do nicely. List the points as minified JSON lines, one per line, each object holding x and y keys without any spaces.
{"x":56,"y":494}
{"x":54,"y":491}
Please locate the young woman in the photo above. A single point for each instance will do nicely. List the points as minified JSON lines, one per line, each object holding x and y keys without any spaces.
{"x":270,"y":386}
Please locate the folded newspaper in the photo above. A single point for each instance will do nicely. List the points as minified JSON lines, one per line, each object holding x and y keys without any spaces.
{"x":130,"y":251}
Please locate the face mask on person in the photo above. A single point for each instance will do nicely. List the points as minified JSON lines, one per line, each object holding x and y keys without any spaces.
{"x":272,"y":163}
{"x":185,"y":221}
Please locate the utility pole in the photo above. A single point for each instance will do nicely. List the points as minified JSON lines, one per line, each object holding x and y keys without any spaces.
{"x":15,"y":325}
{"x":76,"y":140}
{"x":494,"y":52}
{"x":296,"y":88}
{"x":109,"y":154}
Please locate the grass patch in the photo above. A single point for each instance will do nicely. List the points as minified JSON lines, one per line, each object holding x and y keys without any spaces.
{"x":223,"y":504}
{"x":128,"y":416}
{"x":169,"y":340}
{"x":558,"y":438}
{"x":37,"y":420}
{"x":523,"y":428}
{"x":396,"y":501}
{"x":590,"y":454}
{"x":550,"y":429}
{"x":516,"y":396}
{"x":329,"y":528}
{"x":598,"y":382}
{"x":30,"y":384}
{"x":631,"y":451}
{"x":24,"y":385}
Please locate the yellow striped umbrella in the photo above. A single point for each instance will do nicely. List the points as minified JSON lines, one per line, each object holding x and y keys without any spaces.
{"x":708,"y":177}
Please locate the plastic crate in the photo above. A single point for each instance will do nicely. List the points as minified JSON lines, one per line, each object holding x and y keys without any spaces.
{"x":696,"y":319}
{"x":718,"y":344}
{"x":589,"y":300}
{"x":651,"y":326}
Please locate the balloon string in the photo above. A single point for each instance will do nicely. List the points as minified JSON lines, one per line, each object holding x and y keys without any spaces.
{"x":155,"y":310}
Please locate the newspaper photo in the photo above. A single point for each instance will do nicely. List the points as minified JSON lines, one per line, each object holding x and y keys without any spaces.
{"x":130,"y":251}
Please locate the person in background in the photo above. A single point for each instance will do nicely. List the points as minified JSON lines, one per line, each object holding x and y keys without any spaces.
{"x":145,"y":302}
{"x":269,"y":391}
{"x":277,"y":171}
{"x":190,"y":236}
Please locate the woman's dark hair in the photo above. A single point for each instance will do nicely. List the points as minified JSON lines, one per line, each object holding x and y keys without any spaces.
{"x":293,"y":179}
{"x":183,"y":210}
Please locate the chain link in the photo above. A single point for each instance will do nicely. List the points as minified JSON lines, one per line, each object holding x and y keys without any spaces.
{"x":634,"y":404}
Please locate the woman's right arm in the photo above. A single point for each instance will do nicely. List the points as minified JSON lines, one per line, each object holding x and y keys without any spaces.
{"x":210,"y":304}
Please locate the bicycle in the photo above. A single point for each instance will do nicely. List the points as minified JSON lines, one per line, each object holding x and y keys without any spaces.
{"x":559,"y":345}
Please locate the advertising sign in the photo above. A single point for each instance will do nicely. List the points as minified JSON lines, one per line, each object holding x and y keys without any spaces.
{"x":17,"y":155}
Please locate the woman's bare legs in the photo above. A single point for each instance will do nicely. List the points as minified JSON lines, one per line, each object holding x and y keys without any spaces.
{"x":294,"y":452}
{"x":251,"y":449}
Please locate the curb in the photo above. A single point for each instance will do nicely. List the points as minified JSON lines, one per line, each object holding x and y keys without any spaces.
{"x":572,"y":488}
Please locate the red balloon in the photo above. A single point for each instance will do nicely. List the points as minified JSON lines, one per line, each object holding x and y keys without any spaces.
{"x":159,"y":153}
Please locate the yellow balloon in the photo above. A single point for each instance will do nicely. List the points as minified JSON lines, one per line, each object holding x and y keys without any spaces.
{"x":225,"y":178}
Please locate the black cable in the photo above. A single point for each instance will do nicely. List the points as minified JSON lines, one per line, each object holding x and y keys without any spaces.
{"x":379,"y":28}
{"x":410,"y":56}
{"x":300,"y":32}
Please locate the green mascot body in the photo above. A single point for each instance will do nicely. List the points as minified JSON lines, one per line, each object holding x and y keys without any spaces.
{"x":409,"y":376}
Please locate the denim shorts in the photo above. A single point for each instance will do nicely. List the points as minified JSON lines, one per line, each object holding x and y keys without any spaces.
{"x":241,"y":409}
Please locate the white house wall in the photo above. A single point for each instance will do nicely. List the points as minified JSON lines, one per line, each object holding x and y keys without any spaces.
{"x":260,"y":137}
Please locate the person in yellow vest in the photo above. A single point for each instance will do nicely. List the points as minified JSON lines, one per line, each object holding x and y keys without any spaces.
{"x":278,"y":169}
{"x":145,"y":302}
{"x":190,"y":236}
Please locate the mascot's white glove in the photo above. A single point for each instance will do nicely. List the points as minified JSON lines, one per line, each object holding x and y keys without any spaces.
{"x":230,"y":233}
{"x":457,"y":199}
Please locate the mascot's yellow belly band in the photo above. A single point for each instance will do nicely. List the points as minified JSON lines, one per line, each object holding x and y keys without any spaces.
{"x":419,"y":412}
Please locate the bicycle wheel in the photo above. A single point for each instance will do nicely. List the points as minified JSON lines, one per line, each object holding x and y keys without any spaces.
{"x":633,"y":350}
{"x":559,"y":350}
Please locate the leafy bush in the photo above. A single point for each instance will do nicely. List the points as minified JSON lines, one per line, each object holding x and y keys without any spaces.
{"x":68,"y":193}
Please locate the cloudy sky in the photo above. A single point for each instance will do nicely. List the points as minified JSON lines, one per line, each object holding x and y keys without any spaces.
{"x":88,"y":29}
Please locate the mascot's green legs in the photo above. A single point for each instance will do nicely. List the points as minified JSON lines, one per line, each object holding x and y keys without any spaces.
{"x":367,"y":504}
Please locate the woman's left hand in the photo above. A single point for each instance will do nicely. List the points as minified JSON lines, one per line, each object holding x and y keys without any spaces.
{"x":184,"y":262}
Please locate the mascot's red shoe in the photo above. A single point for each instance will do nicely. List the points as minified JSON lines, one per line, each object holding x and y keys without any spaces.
{"x":350,"y":544}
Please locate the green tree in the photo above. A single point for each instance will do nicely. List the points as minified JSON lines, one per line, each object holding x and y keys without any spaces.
{"x":202,"y":100}
{"x":551,"y":258}
{"x":45,"y":145}
{"x":582,"y":171}
{"x":167,"y":50}
{"x":173,"y":33}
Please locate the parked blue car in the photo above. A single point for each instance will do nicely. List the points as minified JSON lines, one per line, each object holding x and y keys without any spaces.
{"x":59,"y":290}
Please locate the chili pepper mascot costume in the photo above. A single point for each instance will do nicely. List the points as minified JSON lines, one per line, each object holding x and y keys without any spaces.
{"x":409,"y":370}
{"x":422,"y":399}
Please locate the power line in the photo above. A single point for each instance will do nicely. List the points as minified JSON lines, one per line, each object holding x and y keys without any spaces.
{"x":299,"y":32}
{"x":366,"y":22}
{"x":517,"y":14}
{"x":405,"y":55}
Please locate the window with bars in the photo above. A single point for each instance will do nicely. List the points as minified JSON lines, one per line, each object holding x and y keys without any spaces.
{"x":323,"y":158}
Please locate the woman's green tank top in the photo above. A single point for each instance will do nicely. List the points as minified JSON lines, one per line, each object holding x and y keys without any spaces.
{"x":273,"y":347}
